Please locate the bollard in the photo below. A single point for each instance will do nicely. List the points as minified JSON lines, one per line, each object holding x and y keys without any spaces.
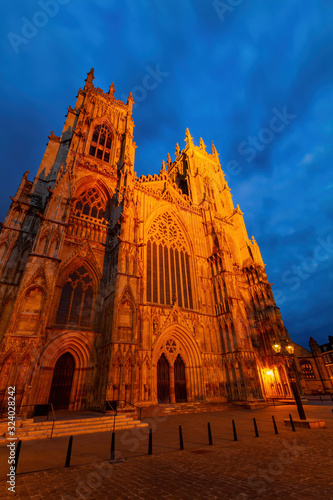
{"x":150,"y":442}
{"x":292,"y":422}
{"x":69,"y":452}
{"x":255,"y":428}
{"x":210,"y":439}
{"x":181,"y":442}
{"x":234,"y":429}
{"x":113,"y":443}
{"x":274,"y":423}
{"x":17,"y":453}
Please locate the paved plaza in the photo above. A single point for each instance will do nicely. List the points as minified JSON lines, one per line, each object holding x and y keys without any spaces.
{"x":290,"y":465}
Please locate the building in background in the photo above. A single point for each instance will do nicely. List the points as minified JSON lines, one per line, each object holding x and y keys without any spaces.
{"x":316,"y":367}
{"x":115,"y":287}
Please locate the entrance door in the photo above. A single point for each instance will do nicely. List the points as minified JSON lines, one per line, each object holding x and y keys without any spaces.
{"x":180,"y":382}
{"x":62,"y":382}
{"x":163,"y":383}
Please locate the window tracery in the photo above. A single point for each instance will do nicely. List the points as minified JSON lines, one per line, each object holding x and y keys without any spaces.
{"x":100,"y":145}
{"x":75,"y":306}
{"x":164,"y":230}
{"x":90,"y":204}
{"x":171,"y":346}
{"x":168,"y":264}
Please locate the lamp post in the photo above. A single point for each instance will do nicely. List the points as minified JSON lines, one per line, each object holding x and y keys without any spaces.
{"x":289,"y":348}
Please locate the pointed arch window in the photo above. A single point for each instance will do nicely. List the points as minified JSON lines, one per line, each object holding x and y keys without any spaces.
{"x":76,"y":301}
{"x":101,"y":141}
{"x":168,"y":264}
{"x":90,"y":204}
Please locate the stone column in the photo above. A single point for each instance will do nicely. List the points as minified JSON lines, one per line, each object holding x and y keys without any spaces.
{"x":172,"y":384}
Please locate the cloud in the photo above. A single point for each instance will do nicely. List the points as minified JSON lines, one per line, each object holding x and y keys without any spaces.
{"x":308,"y":158}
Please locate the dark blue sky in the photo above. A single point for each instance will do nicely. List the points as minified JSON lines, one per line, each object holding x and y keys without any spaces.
{"x":255,"y":78}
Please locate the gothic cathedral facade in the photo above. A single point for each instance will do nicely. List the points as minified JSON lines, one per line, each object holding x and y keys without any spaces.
{"x":140,"y":289}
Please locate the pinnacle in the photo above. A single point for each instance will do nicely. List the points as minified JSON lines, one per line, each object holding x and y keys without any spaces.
{"x":188,"y":138}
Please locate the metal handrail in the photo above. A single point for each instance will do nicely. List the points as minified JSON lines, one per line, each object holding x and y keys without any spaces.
{"x":107,"y":402}
{"x":132,"y":404}
{"x":19,"y":412}
{"x":54,"y":419}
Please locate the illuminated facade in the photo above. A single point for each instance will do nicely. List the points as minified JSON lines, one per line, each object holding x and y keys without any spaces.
{"x":139,"y":289}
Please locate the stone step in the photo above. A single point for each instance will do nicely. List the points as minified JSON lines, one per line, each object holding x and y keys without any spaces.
{"x":94,"y":428}
{"x":73,"y":432}
{"x":75,"y":422}
{"x":61,"y":428}
{"x":41,"y":430}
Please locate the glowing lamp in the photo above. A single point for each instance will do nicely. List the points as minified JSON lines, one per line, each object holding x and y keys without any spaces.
{"x":290,"y":348}
{"x":277,"y":348}
{"x":269,"y":372}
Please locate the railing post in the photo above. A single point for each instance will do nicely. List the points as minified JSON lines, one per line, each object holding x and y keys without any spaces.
{"x":210,"y":439}
{"x":181,"y":442}
{"x":255,"y":428}
{"x":234,"y":429}
{"x":113,"y":443}
{"x":275,"y":427}
{"x":292,"y":422}
{"x":150,"y":442}
{"x":69,"y":452}
{"x":17,"y":453}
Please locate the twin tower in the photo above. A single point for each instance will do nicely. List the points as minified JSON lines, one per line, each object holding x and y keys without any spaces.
{"x":146,"y":290}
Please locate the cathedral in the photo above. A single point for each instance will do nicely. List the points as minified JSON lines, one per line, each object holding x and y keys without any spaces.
{"x":139,"y":289}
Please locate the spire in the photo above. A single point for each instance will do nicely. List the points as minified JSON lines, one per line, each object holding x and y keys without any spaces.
{"x":188,"y":139}
{"x":111,"y":89}
{"x":163,"y":169}
{"x":177,"y":153}
{"x":130,"y":102}
{"x":202,"y":145}
{"x":214,"y":152}
{"x":90,"y":76}
{"x":168,"y":161}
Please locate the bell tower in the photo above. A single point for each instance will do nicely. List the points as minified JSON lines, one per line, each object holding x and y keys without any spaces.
{"x":198,"y":174}
{"x":59,"y":245}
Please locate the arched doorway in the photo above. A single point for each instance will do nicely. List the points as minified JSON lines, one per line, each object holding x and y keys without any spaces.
{"x":163,"y":382}
{"x":62,"y":382}
{"x":180,"y":381}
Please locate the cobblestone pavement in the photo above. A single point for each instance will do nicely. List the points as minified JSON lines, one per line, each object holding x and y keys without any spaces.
{"x":290,"y":465}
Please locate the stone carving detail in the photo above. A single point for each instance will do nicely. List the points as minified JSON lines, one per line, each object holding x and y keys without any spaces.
{"x":163,"y":230}
{"x":171,"y":346}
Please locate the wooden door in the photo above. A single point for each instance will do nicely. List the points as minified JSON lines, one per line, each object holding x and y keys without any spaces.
{"x":163,"y":382}
{"x":180,"y":381}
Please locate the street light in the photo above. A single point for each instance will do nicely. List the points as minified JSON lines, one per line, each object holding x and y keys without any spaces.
{"x":289,"y":348}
